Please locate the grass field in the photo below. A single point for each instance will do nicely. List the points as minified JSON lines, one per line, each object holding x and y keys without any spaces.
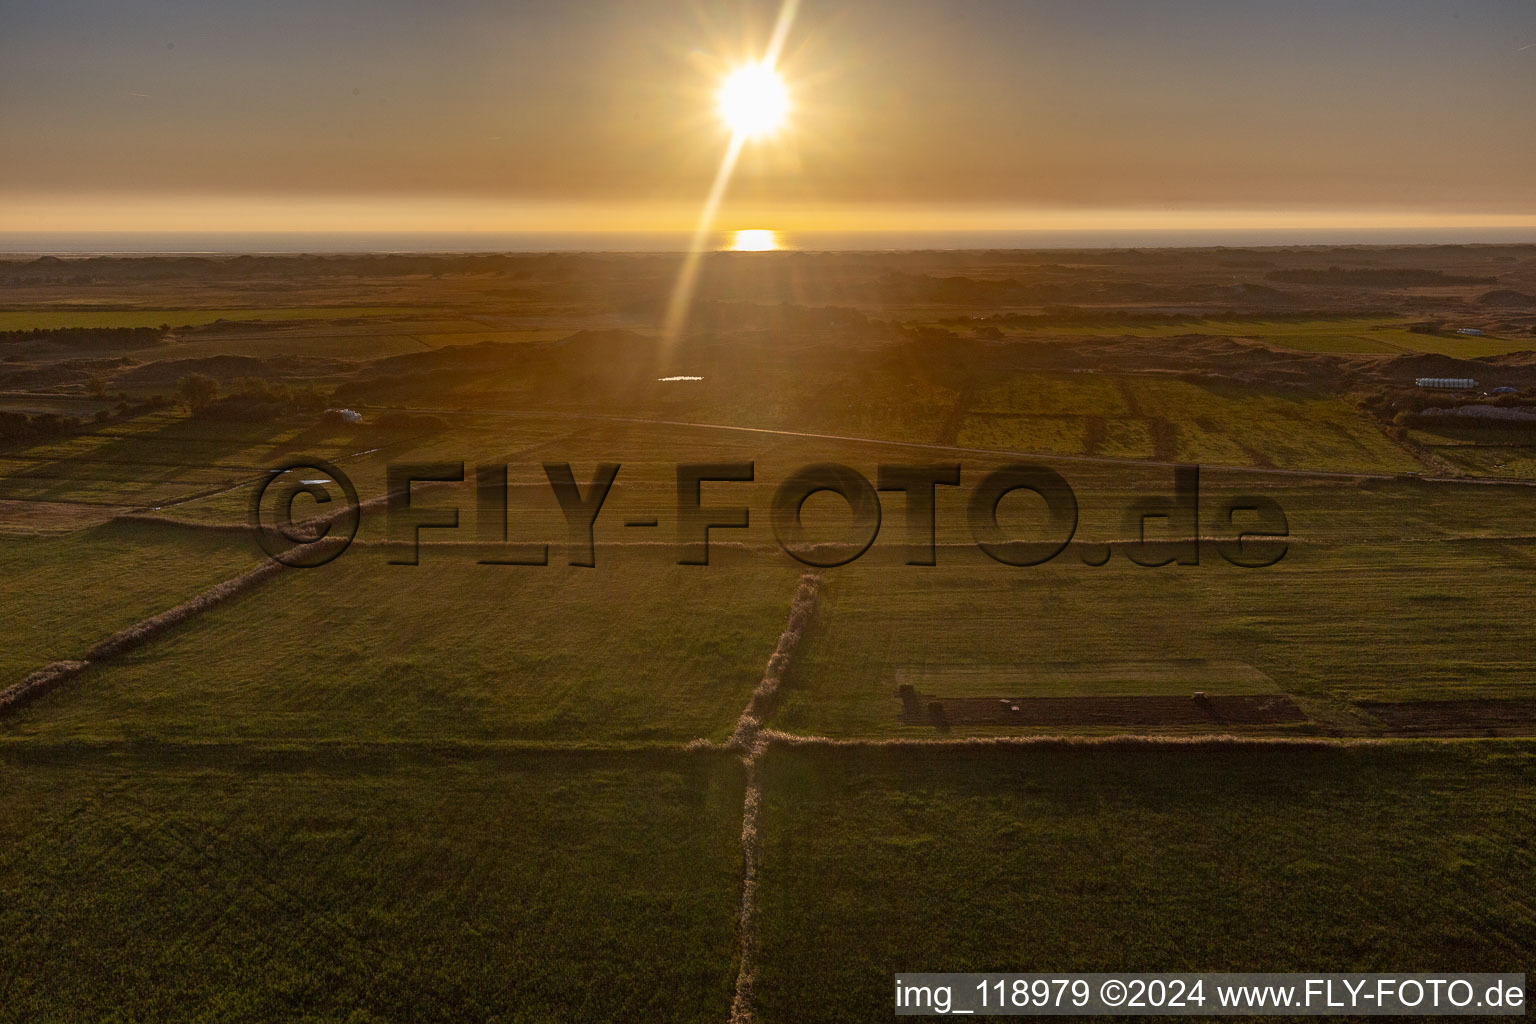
{"x":1369,"y":335}
{"x":165,"y":459}
{"x":1473,"y":348}
{"x":375,"y":344}
{"x":1089,"y":678}
{"x":1343,"y":335}
{"x":1044,"y":395}
{"x":202,"y":472}
{"x":1417,"y":630}
{"x":129,"y":572}
{"x":1514,"y":461}
{"x":1113,"y":858}
{"x":1053,"y":435}
{"x":361,"y":650}
{"x":235,"y":884}
{"x":1481,"y":452}
{"x":1145,"y":417}
{"x":160,"y":459}
{"x":1213,"y":425}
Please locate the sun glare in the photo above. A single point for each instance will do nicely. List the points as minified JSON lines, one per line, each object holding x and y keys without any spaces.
{"x":753,"y":100}
{"x":755,"y":240}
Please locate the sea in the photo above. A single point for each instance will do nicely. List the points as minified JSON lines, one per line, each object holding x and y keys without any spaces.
{"x":213,"y":243}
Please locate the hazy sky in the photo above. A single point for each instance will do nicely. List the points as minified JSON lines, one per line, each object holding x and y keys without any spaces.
{"x":133,"y":113}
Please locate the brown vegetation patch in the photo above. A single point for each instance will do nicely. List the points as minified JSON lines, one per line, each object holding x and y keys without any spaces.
{"x":25,"y":515}
{"x":1196,"y":709}
{"x":1456,"y":717}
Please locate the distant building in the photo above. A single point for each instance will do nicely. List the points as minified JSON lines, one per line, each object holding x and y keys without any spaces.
{"x":1446,"y":383}
{"x":344,"y":415}
{"x":1471,"y":332}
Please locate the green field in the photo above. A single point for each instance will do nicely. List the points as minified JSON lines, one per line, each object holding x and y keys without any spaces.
{"x":1044,"y":395}
{"x":1338,"y":335}
{"x":165,"y":459}
{"x":129,"y":572}
{"x":452,"y":649}
{"x":240,"y":884}
{"x":202,"y":472}
{"x":1099,"y":678}
{"x":1344,"y":335}
{"x":1138,"y":858}
{"x":979,"y":629}
{"x":161,"y":459}
{"x":1124,"y":416}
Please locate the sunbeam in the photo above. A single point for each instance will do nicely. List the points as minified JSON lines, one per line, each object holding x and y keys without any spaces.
{"x":753,"y":102}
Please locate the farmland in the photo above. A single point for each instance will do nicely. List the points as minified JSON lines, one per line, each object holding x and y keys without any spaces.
{"x":333,"y":884}
{"x":455,"y":649}
{"x":130,"y":573}
{"x":641,"y":789}
{"x":1343,"y":335}
{"x":1175,"y":420}
{"x":1133,"y":857}
{"x":975,"y":629}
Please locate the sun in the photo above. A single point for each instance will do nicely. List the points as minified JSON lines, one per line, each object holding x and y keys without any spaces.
{"x":753,"y":100}
{"x":755,"y":240}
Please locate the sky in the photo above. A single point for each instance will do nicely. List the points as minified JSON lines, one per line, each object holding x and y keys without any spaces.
{"x":385,"y":115}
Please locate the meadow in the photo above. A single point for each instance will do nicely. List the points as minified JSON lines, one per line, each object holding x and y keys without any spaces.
{"x":1138,"y":418}
{"x":1137,"y":857}
{"x":973,"y":628}
{"x":1339,"y":335}
{"x":129,"y":573}
{"x":364,"y":651}
{"x":236,"y":883}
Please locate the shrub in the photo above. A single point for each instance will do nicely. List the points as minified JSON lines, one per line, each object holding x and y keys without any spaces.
{"x":198,"y":391}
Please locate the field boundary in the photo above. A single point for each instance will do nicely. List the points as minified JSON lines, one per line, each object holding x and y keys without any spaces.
{"x":747,"y":739}
{"x":40,"y":682}
{"x":776,"y":738}
{"x":130,"y":637}
{"x":147,"y":629}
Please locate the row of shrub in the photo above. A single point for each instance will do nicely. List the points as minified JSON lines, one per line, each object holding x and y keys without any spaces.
{"x":89,"y":338}
{"x":255,"y":399}
{"x":1373,"y":277}
{"x":251,"y":398}
{"x":46,"y":426}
